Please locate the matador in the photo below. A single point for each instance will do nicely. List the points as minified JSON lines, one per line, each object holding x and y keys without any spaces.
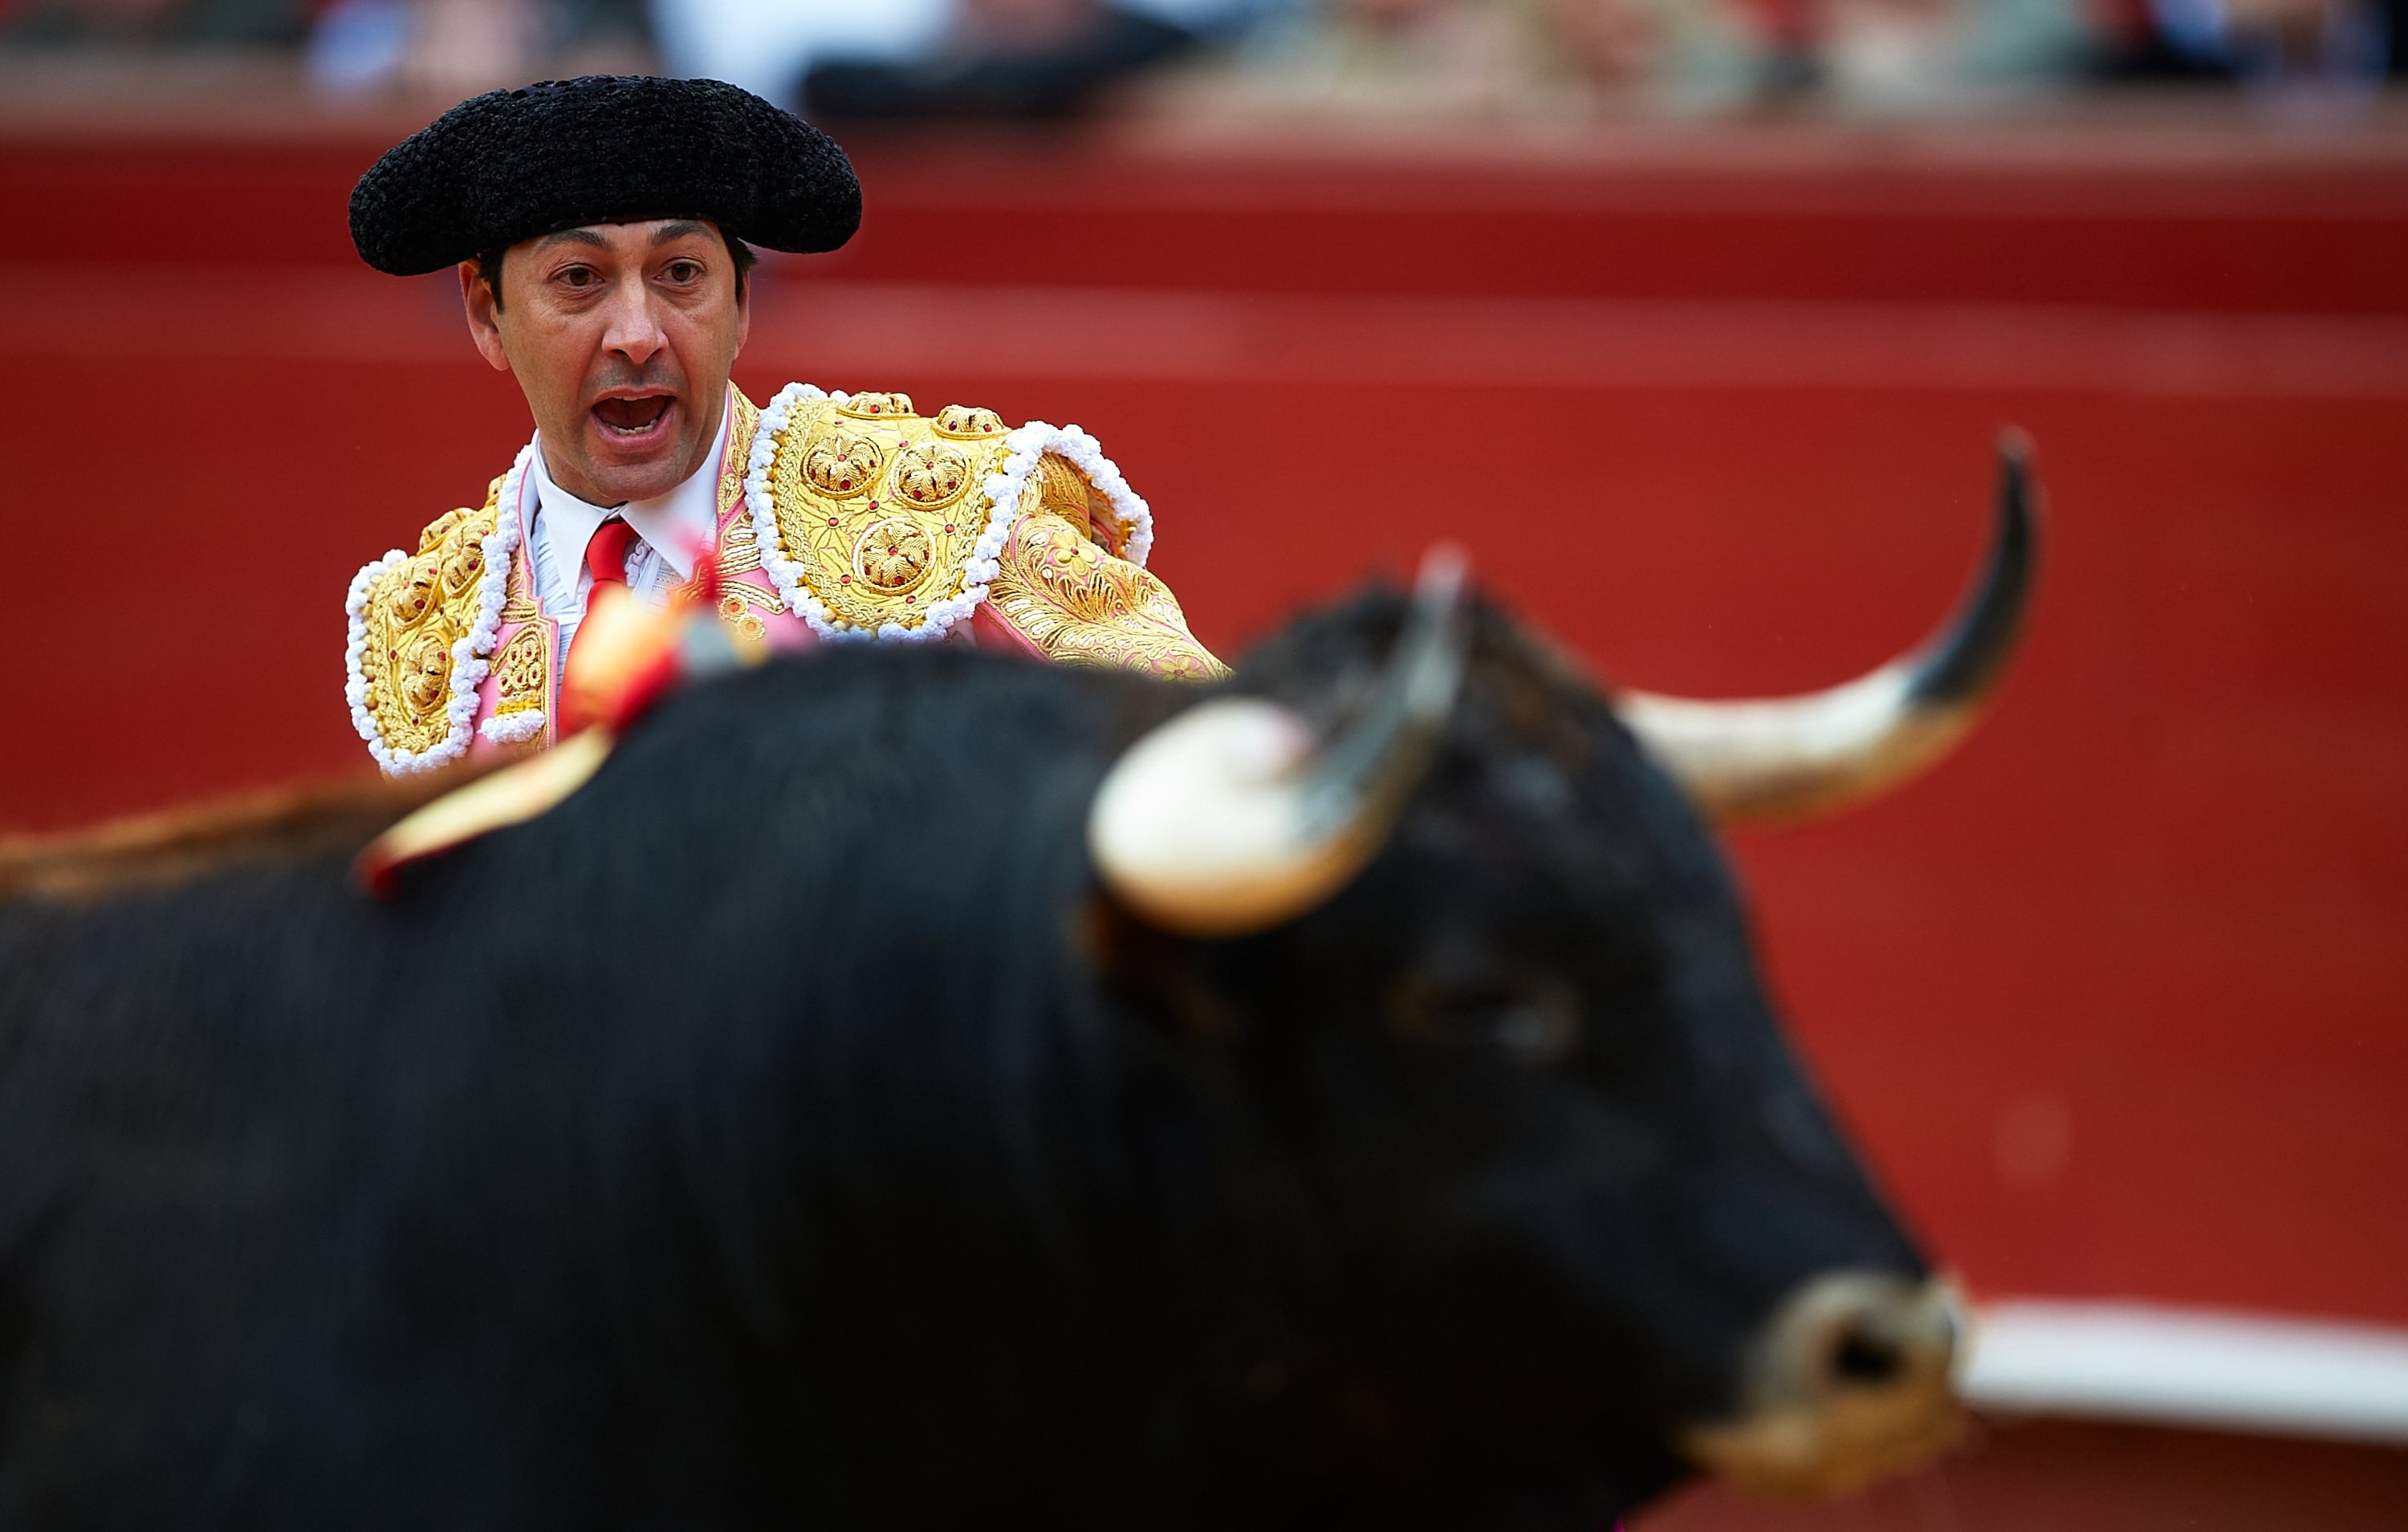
{"x":602,"y":232}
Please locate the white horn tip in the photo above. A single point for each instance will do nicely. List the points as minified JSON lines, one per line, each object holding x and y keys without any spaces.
{"x":1191,"y":832}
{"x":1445,"y":568}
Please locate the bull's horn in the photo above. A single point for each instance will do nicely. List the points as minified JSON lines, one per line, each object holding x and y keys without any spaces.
{"x":1233,"y":817}
{"x":1778,"y":758}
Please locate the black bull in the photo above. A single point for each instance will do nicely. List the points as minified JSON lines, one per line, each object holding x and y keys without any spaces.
{"x":787,"y":1131}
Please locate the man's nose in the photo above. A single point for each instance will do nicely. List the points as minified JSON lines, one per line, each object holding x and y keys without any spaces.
{"x":634,"y":326}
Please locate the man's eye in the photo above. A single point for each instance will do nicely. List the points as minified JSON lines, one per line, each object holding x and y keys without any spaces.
{"x":577,"y":275}
{"x":684,"y":271}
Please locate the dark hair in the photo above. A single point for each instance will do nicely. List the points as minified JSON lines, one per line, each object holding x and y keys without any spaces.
{"x":489,"y":265}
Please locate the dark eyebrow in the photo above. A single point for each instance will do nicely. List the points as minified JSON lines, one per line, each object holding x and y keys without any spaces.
{"x":574,"y":236}
{"x":679,"y":230}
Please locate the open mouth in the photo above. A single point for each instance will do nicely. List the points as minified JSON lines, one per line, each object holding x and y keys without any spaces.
{"x":632,"y":417}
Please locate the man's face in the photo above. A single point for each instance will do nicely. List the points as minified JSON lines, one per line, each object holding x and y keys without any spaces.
{"x":622,"y":335}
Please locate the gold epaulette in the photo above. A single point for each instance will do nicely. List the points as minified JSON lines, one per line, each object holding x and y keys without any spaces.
{"x":878,"y":510}
{"x":894,"y":525}
{"x":409,"y":614}
{"x":1078,"y":605}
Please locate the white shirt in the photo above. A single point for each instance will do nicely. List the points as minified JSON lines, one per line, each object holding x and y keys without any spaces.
{"x":670,"y":531}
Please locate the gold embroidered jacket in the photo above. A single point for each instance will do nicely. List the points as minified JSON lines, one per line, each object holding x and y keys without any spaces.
{"x":841,"y":516}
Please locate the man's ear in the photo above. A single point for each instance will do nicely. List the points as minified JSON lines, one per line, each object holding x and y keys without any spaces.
{"x":484,"y":315}
{"x":743,"y":316}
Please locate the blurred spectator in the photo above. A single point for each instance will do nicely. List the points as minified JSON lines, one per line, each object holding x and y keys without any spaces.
{"x":957,"y":59}
{"x":767,"y":46}
{"x":143,"y":22}
{"x":1418,"y":57}
{"x":1576,"y":56}
{"x":943,"y":58}
{"x":445,"y":50}
{"x":2344,"y":44}
{"x":1922,"y":55}
{"x":1014,"y":59}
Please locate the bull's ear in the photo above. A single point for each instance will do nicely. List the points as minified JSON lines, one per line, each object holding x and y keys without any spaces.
{"x":1237,"y":815}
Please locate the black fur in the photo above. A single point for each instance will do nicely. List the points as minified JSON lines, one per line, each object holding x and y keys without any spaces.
{"x":606,"y":148}
{"x":785,"y":1132}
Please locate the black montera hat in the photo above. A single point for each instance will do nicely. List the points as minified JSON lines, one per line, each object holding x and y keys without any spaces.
{"x":609,"y":148}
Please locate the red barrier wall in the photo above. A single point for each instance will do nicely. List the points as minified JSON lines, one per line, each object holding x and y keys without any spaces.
{"x":2113,"y":999}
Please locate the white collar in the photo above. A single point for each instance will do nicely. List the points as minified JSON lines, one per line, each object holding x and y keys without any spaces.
{"x":676,"y":526}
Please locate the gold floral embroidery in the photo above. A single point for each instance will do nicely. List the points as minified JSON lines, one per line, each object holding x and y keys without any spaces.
{"x":879,"y":516}
{"x":517,"y":604}
{"x":523,"y":672}
{"x":735,"y":595}
{"x":1063,"y":491}
{"x":842,"y":464}
{"x":1080,"y":605}
{"x":440,"y":528}
{"x":738,"y":552}
{"x":740,"y":548}
{"x":421,"y":679}
{"x":739,"y":454}
{"x":414,"y":617}
{"x":876,"y":406}
{"x":464,"y":563}
{"x":874,"y":516}
{"x":964,"y":421}
{"x":930,"y":475}
{"x":892,"y":557}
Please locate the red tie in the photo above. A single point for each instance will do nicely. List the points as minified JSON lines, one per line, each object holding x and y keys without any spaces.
{"x":606,"y":554}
